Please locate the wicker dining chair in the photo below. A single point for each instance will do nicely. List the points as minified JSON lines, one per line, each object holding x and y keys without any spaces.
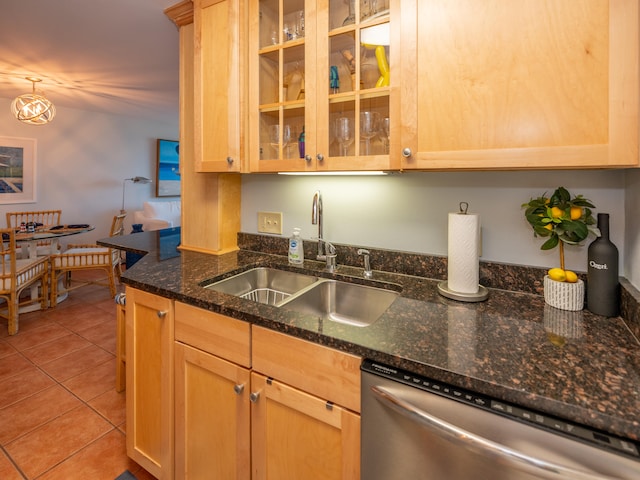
{"x":17,"y":275}
{"x":86,"y":257}
{"x":44,"y":219}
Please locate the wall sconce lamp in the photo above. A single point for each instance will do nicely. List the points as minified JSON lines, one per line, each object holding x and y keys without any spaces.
{"x":133,"y":180}
{"x":33,"y":108}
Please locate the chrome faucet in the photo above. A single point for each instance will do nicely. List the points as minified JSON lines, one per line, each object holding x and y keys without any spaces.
{"x":316,"y":219}
{"x":367,"y":266}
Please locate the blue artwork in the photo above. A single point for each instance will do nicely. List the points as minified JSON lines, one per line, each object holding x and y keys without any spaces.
{"x":168,"y":181}
{"x":11,"y":161}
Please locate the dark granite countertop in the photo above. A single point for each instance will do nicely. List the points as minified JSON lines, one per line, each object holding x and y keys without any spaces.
{"x":574,"y":365}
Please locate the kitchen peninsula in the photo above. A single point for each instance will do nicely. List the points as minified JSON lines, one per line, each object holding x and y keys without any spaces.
{"x":203,"y":367}
{"x":575,"y":365}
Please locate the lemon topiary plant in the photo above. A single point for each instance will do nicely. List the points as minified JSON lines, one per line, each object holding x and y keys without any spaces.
{"x":562,"y":219}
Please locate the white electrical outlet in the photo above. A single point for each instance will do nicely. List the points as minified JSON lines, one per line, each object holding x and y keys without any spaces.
{"x":270,"y":222}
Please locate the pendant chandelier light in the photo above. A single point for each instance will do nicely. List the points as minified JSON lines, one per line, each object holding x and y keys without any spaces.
{"x":33,"y":108}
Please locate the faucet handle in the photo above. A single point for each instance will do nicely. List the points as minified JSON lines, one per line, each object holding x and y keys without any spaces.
{"x":330,"y":256}
{"x":367,"y":265}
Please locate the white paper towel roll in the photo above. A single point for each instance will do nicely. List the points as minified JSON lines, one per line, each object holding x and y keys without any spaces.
{"x":463,"y":262}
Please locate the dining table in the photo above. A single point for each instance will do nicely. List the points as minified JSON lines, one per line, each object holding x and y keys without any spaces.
{"x":54,"y":233}
{"x":29,"y":249}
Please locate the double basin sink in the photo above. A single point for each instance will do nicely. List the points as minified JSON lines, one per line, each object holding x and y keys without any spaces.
{"x":334,"y":300}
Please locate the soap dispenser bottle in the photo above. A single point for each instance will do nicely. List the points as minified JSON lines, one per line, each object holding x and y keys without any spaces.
{"x":296,"y":252}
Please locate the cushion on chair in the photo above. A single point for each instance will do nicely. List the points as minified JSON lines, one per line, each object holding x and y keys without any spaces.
{"x":26,"y":269}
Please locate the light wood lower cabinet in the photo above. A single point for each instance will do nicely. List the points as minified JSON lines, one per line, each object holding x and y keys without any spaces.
{"x":149,"y":373}
{"x":212,"y":417}
{"x":244,"y":402}
{"x":300,"y":427}
{"x":297,"y":435}
{"x":212,"y":413}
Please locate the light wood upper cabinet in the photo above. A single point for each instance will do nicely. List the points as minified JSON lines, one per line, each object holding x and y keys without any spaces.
{"x":219,"y":85}
{"x":526,"y":84}
{"x":308,"y":68}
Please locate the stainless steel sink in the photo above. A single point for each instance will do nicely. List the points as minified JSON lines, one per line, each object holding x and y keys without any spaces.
{"x":342,"y":302}
{"x":264,"y":285}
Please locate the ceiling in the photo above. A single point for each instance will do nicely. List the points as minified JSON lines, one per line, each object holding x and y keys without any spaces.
{"x":112,"y":56}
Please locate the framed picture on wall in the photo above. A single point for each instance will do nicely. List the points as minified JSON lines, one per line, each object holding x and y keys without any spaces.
{"x":168,"y":171}
{"x":17,"y":170}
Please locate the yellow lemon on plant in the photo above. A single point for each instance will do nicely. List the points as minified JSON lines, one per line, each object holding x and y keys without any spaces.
{"x":571,"y":277}
{"x":549,"y":226}
{"x":556,"y":212}
{"x":557,"y":274}
{"x":576,"y":213}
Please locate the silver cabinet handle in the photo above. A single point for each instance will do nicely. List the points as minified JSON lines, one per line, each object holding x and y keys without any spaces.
{"x":229,"y":160}
{"x":239,"y":388}
{"x":162,"y":314}
{"x":470,"y":440}
{"x":253,"y":398}
{"x":320,"y":157}
{"x":406,"y":152}
{"x":307,"y":158}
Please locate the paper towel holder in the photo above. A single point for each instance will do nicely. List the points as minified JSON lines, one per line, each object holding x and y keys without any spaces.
{"x":479,"y":296}
{"x":443,"y":287}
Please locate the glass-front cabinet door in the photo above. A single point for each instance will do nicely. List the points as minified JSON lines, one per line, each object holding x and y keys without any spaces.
{"x":281,"y":90}
{"x":320,"y":85}
{"x":354,"y":85}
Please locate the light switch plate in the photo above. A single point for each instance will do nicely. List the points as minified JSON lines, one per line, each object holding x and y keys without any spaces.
{"x":270,"y":222}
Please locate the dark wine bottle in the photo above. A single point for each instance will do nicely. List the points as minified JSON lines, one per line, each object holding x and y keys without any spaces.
{"x":603,"y":296}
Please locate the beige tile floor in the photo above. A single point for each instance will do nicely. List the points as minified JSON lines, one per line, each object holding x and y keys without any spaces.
{"x":60,"y":416}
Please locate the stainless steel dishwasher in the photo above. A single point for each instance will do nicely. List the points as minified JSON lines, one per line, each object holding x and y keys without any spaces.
{"x":417,"y":428}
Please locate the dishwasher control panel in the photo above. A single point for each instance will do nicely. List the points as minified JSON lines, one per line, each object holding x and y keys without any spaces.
{"x":532,"y":417}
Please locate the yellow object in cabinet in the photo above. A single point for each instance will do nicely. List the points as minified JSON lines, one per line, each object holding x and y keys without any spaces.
{"x":315,"y":79}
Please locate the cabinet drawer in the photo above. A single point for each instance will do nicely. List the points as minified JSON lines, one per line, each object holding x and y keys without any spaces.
{"x":211,"y":332}
{"x":319,"y":370}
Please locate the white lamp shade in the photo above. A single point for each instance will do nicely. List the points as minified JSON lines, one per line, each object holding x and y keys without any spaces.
{"x":376,"y":35}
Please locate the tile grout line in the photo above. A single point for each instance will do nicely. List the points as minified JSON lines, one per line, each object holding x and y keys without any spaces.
{"x":102,"y":306}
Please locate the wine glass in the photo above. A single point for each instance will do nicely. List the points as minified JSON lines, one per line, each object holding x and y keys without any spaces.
{"x":369,"y":126}
{"x":352,"y":13}
{"x":386,"y":133}
{"x":274,"y":137}
{"x":279,"y":134}
{"x":286,"y":139}
{"x":344,"y":134}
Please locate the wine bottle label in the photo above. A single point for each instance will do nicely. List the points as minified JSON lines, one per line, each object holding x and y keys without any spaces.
{"x":598,"y":266}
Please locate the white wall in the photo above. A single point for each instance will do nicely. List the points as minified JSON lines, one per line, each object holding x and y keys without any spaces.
{"x":632,"y":231}
{"x":82,"y":159}
{"x":409,"y":211}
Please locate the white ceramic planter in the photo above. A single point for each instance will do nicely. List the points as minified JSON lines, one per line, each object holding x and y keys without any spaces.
{"x":564,"y":295}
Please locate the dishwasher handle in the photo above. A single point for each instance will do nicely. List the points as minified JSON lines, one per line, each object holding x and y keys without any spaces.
{"x":484,"y":445}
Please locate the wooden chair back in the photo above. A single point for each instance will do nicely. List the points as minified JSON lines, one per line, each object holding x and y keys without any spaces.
{"x":47,"y":218}
{"x":7,"y":261}
{"x":15,"y":276}
{"x":117,"y":225}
